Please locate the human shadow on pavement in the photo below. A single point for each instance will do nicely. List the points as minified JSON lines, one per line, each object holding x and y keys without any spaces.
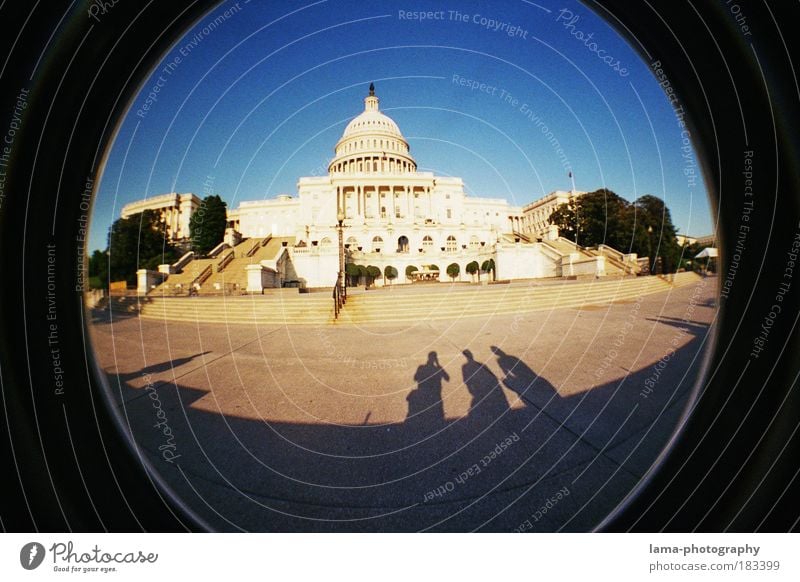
{"x":425,"y":402}
{"x":488,"y":470}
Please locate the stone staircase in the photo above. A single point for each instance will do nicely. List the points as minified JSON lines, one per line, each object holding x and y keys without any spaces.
{"x":406,"y":303}
{"x":180,"y":283}
{"x":614,"y":264}
{"x":447,"y":302}
{"x":232,"y":279}
{"x":278,"y":307}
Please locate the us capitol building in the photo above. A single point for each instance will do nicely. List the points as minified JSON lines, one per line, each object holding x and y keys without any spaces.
{"x":390,"y":215}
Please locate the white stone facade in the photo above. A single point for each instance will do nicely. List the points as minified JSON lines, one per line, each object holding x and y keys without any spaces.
{"x":176,"y":210}
{"x":390,"y":215}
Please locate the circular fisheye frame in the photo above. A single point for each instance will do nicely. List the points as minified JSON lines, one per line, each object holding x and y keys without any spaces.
{"x":309,"y":268}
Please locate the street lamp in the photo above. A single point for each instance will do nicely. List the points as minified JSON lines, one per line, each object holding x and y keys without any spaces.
{"x":650,"y":249}
{"x":340,"y":279}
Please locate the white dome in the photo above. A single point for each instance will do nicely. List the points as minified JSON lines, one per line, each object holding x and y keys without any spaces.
{"x":372,"y":122}
{"x":372,"y":143}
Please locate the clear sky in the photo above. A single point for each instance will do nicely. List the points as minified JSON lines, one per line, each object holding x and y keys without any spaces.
{"x":508,"y":95}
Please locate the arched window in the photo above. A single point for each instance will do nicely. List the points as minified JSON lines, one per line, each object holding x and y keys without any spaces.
{"x":402,"y":244}
{"x":451,"y":245}
{"x":383,"y":212}
{"x":325,"y":242}
{"x":377,"y":243}
{"x":352,"y":241}
{"x":474,"y":241}
{"x":427,"y":242}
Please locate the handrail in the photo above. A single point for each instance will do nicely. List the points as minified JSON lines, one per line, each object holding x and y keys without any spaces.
{"x":204,"y":274}
{"x":225,"y":260}
{"x":218,"y":249}
{"x":339,"y":296}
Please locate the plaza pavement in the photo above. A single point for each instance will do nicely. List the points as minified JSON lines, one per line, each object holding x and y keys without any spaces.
{"x":537,"y":422}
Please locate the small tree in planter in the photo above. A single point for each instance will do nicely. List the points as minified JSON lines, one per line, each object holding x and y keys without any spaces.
{"x":362,"y":272}
{"x":473,"y":268}
{"x":373,"y":273}
{"x":390,"y":273}
{"x":488,"y":266}
{"x":353,"y":271}
{"x":410,"y":272}
{"x":453,"y":270}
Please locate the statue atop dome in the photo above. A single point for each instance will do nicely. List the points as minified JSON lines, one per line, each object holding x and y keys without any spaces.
{"x":372,"y":89}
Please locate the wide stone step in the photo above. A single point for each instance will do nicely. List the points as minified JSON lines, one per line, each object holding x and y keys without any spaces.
{"x":402,"y":306}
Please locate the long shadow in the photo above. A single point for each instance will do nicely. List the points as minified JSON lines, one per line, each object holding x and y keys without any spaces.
{"x":488,"y":399}
{"x":490,"y":470}
{"x":425,"y":407}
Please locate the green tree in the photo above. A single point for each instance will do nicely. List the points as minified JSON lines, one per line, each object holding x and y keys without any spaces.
{"x":473,"y":268}
{"x":207,"y":224}
{"x":138,"y":242}
{"x":488,"y":266}
{"x":410,"y":270}
{"x":453,"y":270}
{"x":353,"y":271}
{"x":599,"y":217}
{"x":565,"y":218}
{"x":654,"y":234}
{"x":98,"y":270}
{"x":373,"y":273}
{"x":390,"y":273}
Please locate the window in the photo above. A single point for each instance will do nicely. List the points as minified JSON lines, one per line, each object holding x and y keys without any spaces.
{"x":451,"y":245}
{"x":449,"y":213}
{"x":427,"y":242}
{"x":397,"y":211}
{"x":377,"y":242}
{"x":383,"y":212}
{"x":325,"y":242}
{"x":474,"y":241}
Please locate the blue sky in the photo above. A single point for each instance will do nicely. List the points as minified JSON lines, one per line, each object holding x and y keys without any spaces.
{"x":260,"y":99}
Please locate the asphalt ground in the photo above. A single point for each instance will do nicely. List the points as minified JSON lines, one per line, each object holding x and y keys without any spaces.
{"x":537,"y":422}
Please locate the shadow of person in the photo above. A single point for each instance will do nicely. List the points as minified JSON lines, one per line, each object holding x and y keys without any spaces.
{"x":519,"y":377}
{"x":488,"y":399}
{"x":425,"y":401}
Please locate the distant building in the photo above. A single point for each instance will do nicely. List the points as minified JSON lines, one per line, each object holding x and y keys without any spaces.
{"x":390,"y":214}
{"x":536,"y":215}
{"x":176,"y":210}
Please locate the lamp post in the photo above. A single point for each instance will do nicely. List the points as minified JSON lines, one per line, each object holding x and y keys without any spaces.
{"x":340,"y":279}
{"x":650,"y":249}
